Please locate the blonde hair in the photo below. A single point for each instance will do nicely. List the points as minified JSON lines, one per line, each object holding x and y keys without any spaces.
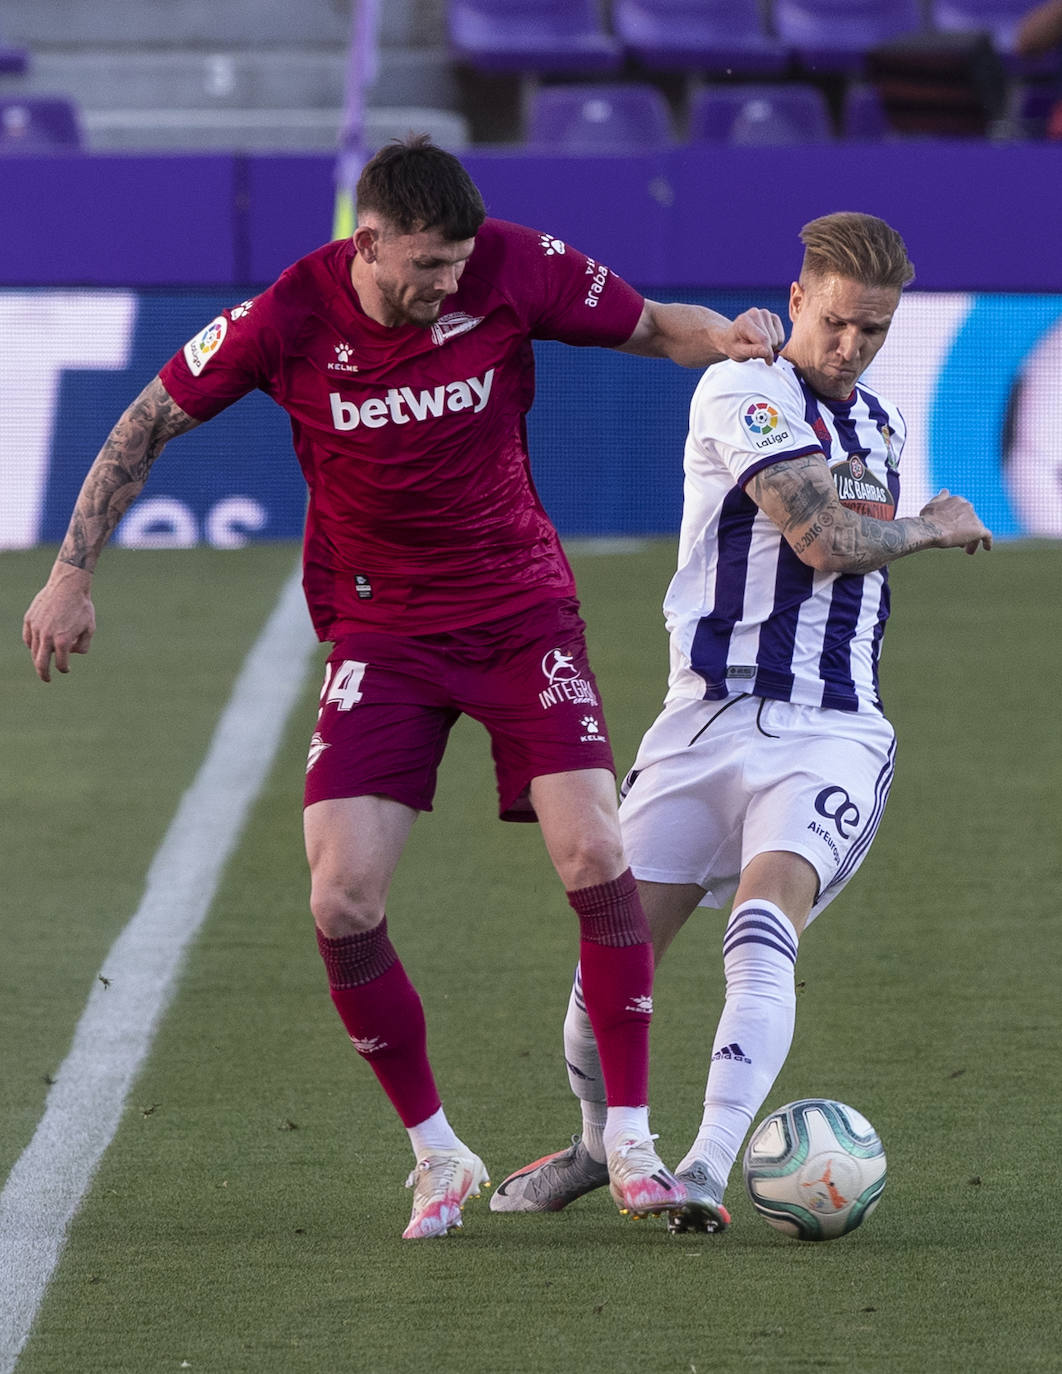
{"x":859,"y":247}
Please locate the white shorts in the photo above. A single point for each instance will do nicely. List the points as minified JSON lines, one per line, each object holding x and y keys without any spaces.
{"x":715,"y":784}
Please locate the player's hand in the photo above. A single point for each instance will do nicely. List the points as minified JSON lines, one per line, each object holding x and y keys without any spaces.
{"x":61,"y":620}
{"x":958,"y":522}
{"x":755,"y":333}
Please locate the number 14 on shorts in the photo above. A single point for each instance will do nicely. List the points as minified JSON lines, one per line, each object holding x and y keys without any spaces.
{"x":342,"y":684}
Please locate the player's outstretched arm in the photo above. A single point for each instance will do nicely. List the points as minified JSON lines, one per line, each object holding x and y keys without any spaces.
{"x":800,"y":497}
{"x":61,"y":619}
{"x":694,"y":336}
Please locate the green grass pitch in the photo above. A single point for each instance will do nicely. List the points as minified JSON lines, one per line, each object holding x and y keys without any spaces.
{"x":247,"y":1215}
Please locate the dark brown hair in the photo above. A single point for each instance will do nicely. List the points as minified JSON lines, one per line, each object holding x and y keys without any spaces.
{"x":414,"y":185}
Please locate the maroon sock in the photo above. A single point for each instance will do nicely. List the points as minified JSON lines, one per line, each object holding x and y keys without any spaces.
{"x":616,"y":955}
{"x":384,"y":1018}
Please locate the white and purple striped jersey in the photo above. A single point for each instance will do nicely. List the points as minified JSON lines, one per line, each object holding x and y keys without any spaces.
{"x":744,"y":613}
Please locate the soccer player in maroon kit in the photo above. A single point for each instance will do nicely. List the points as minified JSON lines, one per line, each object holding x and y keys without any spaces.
{"x":403,"y":357}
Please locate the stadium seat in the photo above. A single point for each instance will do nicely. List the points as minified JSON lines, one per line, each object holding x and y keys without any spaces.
{"x":37,"y":124}
{"x":699,"y":35}
{"x":13,"y":61}
{"x":759,"y":114}
{"x":999,"y":19}
{"x":532,"y":36}
{"x":863,"y":114}
{"x":599,"y":119}
{"x":946,"y":85}
{"x":833,"y":36}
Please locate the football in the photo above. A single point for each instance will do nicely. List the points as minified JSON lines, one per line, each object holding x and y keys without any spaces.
{"x":815,"y":1169}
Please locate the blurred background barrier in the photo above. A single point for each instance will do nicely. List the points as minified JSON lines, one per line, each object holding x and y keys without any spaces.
{"x":153,"y":170}
{"x":974,"y":373}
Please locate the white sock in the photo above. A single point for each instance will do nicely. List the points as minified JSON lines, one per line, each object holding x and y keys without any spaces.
{"x":433,"y":1133}
{"x":625,"y":1123}
{"x":754,"y":1033}
{"x":584,"y":1069}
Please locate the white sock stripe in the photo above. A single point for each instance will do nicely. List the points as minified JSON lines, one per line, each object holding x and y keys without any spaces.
{"x":748,"y":920}
{"x":866,"y":835}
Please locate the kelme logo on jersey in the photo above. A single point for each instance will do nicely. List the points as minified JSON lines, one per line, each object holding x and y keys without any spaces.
{"x":764,"y":423}
{"x":199,"y":351}
{"x":401,"y":404}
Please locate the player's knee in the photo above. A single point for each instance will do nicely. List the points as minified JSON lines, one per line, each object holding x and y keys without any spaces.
{"x":344,"y":907}
{"x":590,"y":860}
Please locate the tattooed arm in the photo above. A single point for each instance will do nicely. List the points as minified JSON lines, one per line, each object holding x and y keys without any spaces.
{"x":801,"y":498}
{"x":61,"y":619}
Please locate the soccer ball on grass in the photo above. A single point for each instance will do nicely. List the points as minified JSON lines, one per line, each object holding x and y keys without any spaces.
{"x":815,"y":1169}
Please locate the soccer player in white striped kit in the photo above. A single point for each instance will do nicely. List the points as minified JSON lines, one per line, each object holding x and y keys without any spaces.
{"x":765,"y":776}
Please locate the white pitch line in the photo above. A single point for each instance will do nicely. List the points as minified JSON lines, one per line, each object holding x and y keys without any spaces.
{"x":84,"y":1106}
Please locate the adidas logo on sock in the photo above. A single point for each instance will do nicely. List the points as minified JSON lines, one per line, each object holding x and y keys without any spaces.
{"x":732,"y":1051}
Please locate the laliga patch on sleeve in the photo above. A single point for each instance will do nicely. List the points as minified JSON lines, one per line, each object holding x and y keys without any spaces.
{"x":199,"y":351}
{"x":765,"y":425}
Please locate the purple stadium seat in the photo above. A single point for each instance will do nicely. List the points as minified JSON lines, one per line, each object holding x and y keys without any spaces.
{"x":834,"y":35}
{"x":599,"y":119}
{"x":528,"y":36}
{"x":863,"y":115}
{"x":13,"y":61}
{"x":996,"y":17}
{"x":699,"y":35}
{"x":36,"y":124}
{"x":755,"y":115}
{"x":999,"y":19}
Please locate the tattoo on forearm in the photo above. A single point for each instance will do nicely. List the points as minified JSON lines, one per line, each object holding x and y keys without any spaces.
{"x":800,"y":497}
{"x":121,"y":468}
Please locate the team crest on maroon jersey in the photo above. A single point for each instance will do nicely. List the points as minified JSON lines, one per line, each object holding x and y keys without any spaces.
{"x":450,"y":326}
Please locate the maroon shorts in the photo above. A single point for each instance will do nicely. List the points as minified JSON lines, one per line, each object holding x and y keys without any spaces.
{"x":389,"y":702}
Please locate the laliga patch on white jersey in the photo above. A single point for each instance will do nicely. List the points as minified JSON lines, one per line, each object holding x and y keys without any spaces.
{"x":199,"y":351}
{"x":764,"y":424}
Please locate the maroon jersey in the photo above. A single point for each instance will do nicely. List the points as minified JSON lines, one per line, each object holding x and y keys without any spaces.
{"x":422,"y":512}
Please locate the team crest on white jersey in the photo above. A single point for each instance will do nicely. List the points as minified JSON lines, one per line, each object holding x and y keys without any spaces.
{"x":199,"y":351}
{"x":551,"y":247}
{"x":765,"y":425}
{"x":450,"y":326}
